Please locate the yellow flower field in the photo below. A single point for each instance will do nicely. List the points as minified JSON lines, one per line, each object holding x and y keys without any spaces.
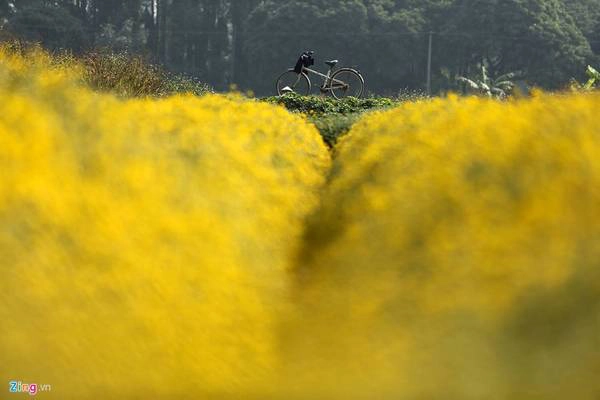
{"x":456,"y":255}
{"x":208,"y":248}
{"x":145,"y":244}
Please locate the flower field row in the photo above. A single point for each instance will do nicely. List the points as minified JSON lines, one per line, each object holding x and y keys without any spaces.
{"x":145,"y":244}
{"x":456,"y":255}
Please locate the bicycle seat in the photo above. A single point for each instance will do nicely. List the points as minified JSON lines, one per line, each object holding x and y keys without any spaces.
{"x":331,"y":63}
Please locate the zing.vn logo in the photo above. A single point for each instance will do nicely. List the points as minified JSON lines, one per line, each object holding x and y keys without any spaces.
{"x":31,"y":388}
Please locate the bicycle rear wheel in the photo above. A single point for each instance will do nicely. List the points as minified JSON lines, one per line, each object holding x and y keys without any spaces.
{"x":291,"y":82}
{"x":347,"y":82}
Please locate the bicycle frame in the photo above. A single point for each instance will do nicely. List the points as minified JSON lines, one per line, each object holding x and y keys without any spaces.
{"x":327,"y":79}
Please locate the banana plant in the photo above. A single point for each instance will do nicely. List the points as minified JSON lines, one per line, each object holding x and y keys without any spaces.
{"x":594,"y":78}
{"x":592,"y":83}
{"x":499,"y":87}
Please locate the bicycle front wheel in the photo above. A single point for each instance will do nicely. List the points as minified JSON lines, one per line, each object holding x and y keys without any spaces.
{"x":291,"y":82}
{"x":347,"y":83}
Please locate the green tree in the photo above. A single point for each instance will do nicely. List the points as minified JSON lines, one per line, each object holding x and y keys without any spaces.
{"x":249,"y":42}
{"x":50,"y":24}
{"x":394,"y":48}
{"x":585,"y":13}
{"x":195,"y":38}
{"x":240,"y":9}
{"x":117,"y":24}
{"x":541,"y":38}
{"x":595,"y":41}
{"x":538,"y":37}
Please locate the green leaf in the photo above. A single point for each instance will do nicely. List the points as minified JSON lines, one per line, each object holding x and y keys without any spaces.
{"x":505,"y":85}
{"x":589,"y":84}
{"x":509,"y":76}
{"x":499,"y":93}
{"x":471,"y":84}
{"x":592,"y":73}
{"x":484,"y":75}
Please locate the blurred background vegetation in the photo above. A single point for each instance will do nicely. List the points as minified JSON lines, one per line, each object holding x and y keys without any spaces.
{"x":247,"y":43}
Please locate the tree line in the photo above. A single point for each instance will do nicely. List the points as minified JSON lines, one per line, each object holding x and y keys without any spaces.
{"x":247,"y":43}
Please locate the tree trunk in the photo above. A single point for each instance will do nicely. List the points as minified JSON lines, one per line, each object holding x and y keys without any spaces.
{"x":162,"y":53}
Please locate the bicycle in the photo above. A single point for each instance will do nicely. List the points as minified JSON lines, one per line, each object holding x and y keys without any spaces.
{"x":343,"y":82}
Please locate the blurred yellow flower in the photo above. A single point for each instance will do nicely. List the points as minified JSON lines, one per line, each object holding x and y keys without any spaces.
{"x":456,"y":256}
{"x":160,"y":249}
{"x":145,"y":244}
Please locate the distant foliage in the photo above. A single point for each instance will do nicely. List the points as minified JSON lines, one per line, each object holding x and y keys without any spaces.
{"x":133,"y":77}
{"x":592,"y":83}
{"x":250,"y":42}
{"x":499,"y":87}
{"x":55,"y":27}
{"x":118,"y":73}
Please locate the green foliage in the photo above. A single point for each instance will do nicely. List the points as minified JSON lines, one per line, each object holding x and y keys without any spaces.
{"x":592,"y":83}
{"x":499,"y":87}
{"x":586,"y":14}
{"x":320,"y":105}
{"x":594,"y":78}
{"x":118,"y":73}
{"x":546,"y":39}
{"x":249,"y":43}
{"x":542,"y":39}
{"x":132,"y":77}
{"x":54,"y":27}
{"x":538,"y":37}
{"x":334,"y":126}
{"x":127,"y":37}
{"x":332,"y":117}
